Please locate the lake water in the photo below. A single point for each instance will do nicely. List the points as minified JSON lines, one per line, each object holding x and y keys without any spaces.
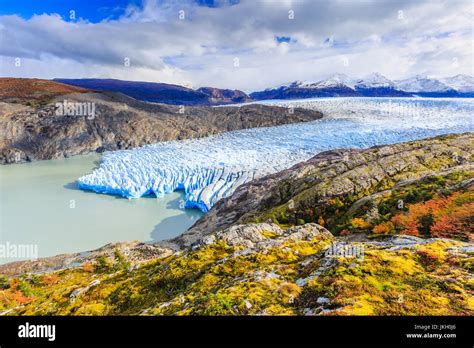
{"x":40,"y":205}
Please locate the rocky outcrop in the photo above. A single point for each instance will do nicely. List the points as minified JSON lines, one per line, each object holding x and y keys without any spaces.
{"x":264,"y":235}
{"x":135,"y":252}
{"x":119,"y":122}
{"x":224,"y":96}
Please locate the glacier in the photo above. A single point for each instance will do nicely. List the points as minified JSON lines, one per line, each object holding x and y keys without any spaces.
{"x":211,"y":168}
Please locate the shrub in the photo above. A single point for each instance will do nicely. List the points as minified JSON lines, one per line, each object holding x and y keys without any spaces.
{"x":359,"y":223}
{"x":24,"y":288}
{"x":121,"y":261}
{"x":384,"y":228}
{"x":88,"y":267}
{"x":4,"y":282}
{"x":321,"y":221}
{"x":447,"y":217}
{"x":102,"y":265}
{"x":283,"y":219}
{"x":344,"y":232}
{"x":50,"y":279}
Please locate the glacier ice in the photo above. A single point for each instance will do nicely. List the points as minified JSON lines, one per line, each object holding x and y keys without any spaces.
{"x":211,"y":168}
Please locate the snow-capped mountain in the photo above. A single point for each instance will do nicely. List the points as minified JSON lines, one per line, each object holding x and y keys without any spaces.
{"x":338,"y":85}
{"x":373,"y":85}
{"x":374,"y":80}
{"x":334,"y":81}
{"x":421,"y":83}
{"x":460,"y":83}
{"x":377,"y":85}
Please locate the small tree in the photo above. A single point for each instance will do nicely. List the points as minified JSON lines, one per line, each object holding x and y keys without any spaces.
{"x":102,"y":264}
{"x":121,"y":261}
{"x":425,"y":223}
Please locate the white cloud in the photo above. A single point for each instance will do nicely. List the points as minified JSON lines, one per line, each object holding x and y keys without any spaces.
{"x":432,"y":38}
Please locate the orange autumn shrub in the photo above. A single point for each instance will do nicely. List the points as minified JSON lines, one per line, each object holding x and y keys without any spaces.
{"x":445,"y":217}
{"x":458,"y":224}
{"x":321,"y":221}
{"x":50,"y":279}
{"x":20,"y":298}
{"x":345,"y":232}
{"x":88,"y":267}
{"x":359,"y":223}
{"x":384,"y":228}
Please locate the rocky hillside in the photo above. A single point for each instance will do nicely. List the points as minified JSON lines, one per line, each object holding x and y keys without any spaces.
{"x":259,"y":269}
{"x":393,"y":237}
{"x":224,"y":96}
{"x":338,"y":186}
{"x":111,"y":121}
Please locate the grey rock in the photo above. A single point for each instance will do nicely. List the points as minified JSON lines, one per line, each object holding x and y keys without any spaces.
{"x":323,"y":300}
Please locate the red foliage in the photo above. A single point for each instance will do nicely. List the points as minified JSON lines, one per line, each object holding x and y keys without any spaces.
{"x":50,"y":279}
{"x":452,"y":217}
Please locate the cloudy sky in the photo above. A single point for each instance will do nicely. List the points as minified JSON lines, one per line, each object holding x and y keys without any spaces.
{"x":246,"y":44}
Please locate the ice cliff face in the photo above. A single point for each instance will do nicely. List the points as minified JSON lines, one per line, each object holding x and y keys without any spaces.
{"x":211,"y":168}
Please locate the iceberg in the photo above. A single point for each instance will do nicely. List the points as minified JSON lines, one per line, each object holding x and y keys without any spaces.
{"x":209,"y":169}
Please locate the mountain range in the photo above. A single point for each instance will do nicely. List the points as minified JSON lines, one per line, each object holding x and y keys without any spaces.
{"x":337,"y":85}
{"x":162,"y":92}
{"x":373,"y":85}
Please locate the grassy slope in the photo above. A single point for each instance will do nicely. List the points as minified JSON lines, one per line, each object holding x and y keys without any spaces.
{"x":33,"y":91}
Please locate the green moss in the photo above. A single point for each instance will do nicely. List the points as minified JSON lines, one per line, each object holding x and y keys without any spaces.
{"x":269,"y":234}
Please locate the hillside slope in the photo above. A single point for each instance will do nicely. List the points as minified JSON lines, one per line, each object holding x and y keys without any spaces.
{"x":33,"y":92}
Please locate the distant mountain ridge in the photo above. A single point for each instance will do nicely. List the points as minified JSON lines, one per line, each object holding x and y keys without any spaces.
{"x":162,"y":92}
{"x":336,"y":85}
{"x":373,"y":85}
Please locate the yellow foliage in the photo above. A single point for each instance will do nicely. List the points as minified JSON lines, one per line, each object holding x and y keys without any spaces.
{"x":359,"y":223}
